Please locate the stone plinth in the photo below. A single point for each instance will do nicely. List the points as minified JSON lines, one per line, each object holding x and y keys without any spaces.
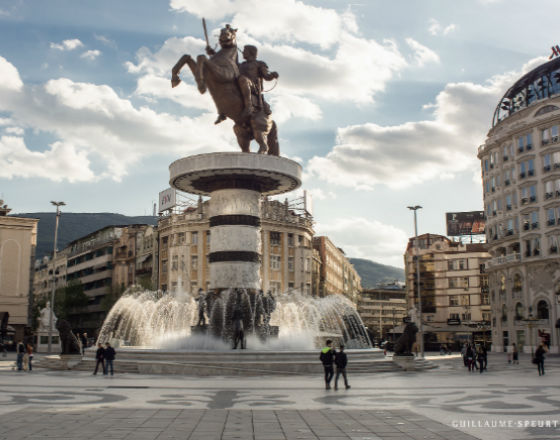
{"x":235,"y":183}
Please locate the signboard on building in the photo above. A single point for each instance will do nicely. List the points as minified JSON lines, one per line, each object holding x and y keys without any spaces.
{"x":465,"y":223}
{"x":167,"y":199}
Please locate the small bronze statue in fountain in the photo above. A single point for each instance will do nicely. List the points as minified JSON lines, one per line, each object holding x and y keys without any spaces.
{"x":236,"y":89}
{"x":403,"y":347}
{"x":68,"y":341}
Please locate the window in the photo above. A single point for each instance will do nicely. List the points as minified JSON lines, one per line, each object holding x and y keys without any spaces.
{"x":194,"y":262}
{"x":275,"y":262}
{"x":181,"y":238}
{"x":547,"y":162}
{"x":290,"y":239}
{"x":542,"y":310}
{"x":553,"y":244}
{"x":484,"y":299}
{"x":175,"y":263}
{"x":486,"y":316}
{"x":551,"y":218}
{"x":549,"y":135}
{"x":519,"y":311}
{"x":275,"y":238}
{"x":454,"y":316}
{"x":549,"y":189}
{"x":291,"y":264}
{"x":533,"y":193}
{"x":454,"y":300}
{"x":534,"y":219}
{"x":466,"y":316}
{"x":164,"y":266}
{"x":194,"y":237}
{"x":164,"y":241}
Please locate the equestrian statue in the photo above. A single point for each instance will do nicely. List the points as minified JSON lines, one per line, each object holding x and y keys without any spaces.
{"x":237,"y":89}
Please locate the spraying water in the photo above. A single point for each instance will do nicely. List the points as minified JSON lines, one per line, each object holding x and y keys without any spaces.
{"x":151,"y":320}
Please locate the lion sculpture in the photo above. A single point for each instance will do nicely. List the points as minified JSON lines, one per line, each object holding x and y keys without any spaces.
{"x":68,"y":341}
{"x":407,"y":339}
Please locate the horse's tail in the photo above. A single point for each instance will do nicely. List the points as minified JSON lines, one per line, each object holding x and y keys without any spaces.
{"x":272,"y":138}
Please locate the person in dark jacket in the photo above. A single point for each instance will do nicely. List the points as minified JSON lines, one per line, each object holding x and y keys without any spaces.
{"x":340,"y":360}
{"x":470,"y":357}
{"x":109,"y":356}
{"x":99,"y":358}
{"x":539,"y":359}
{"x":327,"y":358}
{"x":20,"y":349}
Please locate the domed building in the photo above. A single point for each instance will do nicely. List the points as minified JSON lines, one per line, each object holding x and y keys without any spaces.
{"x":521,"y":185}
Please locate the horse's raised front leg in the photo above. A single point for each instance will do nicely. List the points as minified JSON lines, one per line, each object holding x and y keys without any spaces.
{"x":185,"y":59}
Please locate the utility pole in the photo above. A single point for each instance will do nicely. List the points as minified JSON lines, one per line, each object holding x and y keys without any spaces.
{"x":421,"y":329}
{"x":58,"y":205}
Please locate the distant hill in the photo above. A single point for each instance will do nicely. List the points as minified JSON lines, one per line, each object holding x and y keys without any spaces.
{"x":76,"y":225}
{"x":373,"y":273}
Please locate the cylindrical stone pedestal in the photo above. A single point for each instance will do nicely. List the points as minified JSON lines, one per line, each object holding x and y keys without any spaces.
{"x":235,"y":183}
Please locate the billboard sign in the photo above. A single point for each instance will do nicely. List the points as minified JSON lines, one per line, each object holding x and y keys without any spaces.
{"x":167,"y":199}
{"x":465,"y":223}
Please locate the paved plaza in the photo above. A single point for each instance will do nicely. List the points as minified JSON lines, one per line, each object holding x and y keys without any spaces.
{"x":507,"y":402}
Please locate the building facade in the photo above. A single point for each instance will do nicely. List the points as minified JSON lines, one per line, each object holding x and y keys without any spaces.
{"x":337,"y":275}
{"x":521,"y":185}
{"x":453,"y":287}
{"x":18,"y":240}
{"x":382,"y":309}
{"x":287,"y":253}
{"x":44,"y":278}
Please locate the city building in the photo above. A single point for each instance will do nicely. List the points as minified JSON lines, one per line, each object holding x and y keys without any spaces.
{"x":287,"y":253}
{"x":337,"y":275}
{"x":453,"y":288}
{"x":382,"y":309}
{"x":105,"y":264}
{"x":43,"y":278}
{"x":521,"y":185}
{"x":18,"y":239}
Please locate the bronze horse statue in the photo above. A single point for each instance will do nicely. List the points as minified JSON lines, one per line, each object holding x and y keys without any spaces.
{"x":220,"y":74}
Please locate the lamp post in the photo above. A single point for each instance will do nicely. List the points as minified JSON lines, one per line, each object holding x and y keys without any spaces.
{"x":58,"y":205}
{"x":421,"y":329}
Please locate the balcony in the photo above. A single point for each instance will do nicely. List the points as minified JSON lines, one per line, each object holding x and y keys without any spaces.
{"x":502,"y":260}
{"x":520,"y":149}
{"x":507,"y":182}
{"x":553,"y":249}
{"x":531,"y":172}
{"x":534,"y":225}
{"x":529,"y":147}
{"x":548,"y":195}
{"x":551,"y":222}
{"x":522,"y":175}
{"x":533,"y":198}
{"x":524,"y":200}
{"x":506,"y":158}
{"x":546,"y":168}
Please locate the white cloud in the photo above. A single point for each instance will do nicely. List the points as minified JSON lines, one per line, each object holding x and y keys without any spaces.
{"x":403,"y":155}
{"x":67,"y":44}
{"x":60,"y":162}
{"x":106,"y":41}
{"x":100,"y":135}
{"x":90,"y":54}
{"x":435,"y":28}
{"x":14,"y":130}
{"x":290,"y":106}
{"x":422,"y":54}
{"x":364,"y":238}
{"x":10,"y":76}
{"x":271,"y":20}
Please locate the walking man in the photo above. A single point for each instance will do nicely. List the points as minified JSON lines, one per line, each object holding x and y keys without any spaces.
{"x":327,"y":358}
{"x":99,"y":356}
{"x":340,"y":360}
{"x":109,"y":358}
{"x":20,"y":349}
{"x":539,"y":359}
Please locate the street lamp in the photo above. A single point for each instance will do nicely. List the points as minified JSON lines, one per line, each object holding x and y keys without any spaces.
{"x":421,"y":329}
{"x":58,"y":205}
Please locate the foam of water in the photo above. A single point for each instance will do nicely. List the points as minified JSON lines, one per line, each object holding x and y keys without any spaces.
{"x":150,"y":319}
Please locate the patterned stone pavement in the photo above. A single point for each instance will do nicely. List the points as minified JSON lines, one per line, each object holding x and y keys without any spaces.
{"x":505,"y":403}
{"x":215,"y":424}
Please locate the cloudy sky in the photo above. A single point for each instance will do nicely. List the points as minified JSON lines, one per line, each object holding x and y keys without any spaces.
{"x":383,"y":103}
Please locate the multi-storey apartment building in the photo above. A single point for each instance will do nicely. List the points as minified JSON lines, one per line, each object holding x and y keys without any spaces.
{"x":338,"y":275}
{"x":18,"y":239}
{"x":382,"y":309}
{"x":521,"y":184}
{"x":44,"y":277}
{"x":453,"y":286}
{"x":287,"y":254}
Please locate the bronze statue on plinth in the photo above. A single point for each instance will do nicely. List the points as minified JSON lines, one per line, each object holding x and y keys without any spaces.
{"x":236,"y":89}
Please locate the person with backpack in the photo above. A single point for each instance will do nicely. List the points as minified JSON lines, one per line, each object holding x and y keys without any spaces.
{"x":327,"y":358}
{"x":340,"y":360}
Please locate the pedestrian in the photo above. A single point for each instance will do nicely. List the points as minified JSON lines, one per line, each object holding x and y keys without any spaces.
{"x":99,"y":359}
{"x":470,"y":357}
{"x":539,"y":359}
{"x":29,"y":357}
{"x":84,"y":341}
{"x":515,"y":354}
{"x":464,"y":353}
{"x":327,"y":358}
{"x":509,"y":353}
{"x":109,"y":356}
{"x":341,"y":360}
{"x":480,"y":359}
{"x":484,"y":355}
{"x":20,"y":351}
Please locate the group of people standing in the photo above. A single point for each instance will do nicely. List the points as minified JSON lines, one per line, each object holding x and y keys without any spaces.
{"x":330,"y":357}
{"x":24,"y":359}
{"x":475,"y":354}
{"x":104,"y":356}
